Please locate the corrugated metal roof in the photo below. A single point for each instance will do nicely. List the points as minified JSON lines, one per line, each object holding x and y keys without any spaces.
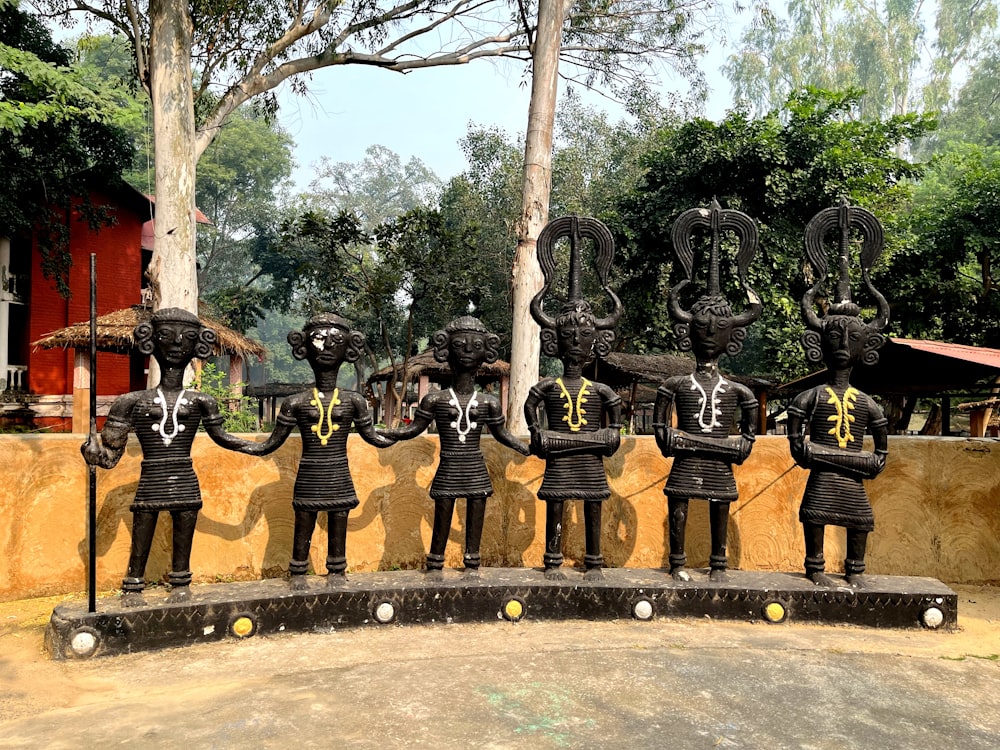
{"x":979,"y":355}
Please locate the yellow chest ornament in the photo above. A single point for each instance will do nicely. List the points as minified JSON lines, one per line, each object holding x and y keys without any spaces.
{"x":580,"y":421}
{"x":843,"y":418}
{"x":325,"y":414}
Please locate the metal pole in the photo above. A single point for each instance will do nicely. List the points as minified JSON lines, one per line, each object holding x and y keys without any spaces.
{"x":92,"y":504}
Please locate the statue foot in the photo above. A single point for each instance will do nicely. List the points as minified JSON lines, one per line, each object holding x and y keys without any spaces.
{"x":336,"y":580}
{"x":298,"y":583}
{"x":554,"y":574}
{"x":434,"y":574}
{"x":471,"y":574}
{"x":822,"y":579}
{"x":856,"y":581}
{"x":680,"y":574}
{"x":179,"y":594}
{"x":133,"y":599}
{"x":593,"y":574}
{"x":718,"y":575}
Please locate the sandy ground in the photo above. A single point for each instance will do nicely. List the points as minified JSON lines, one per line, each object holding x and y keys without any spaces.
{"x":71,"y":698}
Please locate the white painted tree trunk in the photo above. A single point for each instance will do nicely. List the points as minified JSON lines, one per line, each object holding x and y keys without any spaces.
{"x":537,"y":185}
{"x":173,"y":271}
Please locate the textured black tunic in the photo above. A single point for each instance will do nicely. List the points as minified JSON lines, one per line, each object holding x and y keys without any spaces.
{"x":837,"y":419}
{"x":579,"y":476}
{"x":705,"y":408}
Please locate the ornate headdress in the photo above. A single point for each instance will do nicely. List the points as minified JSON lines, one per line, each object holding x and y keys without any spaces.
{"x":576,"y":228}
{"x":844,"y":218}
{"x":143,"y":333}
{"x":716,"y":220}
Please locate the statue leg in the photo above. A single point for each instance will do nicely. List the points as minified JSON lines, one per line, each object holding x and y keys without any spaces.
{"x":305,"y":523}
{"x":183,"y":536}
{"x":143,"y":528}
{"x":677,"y":511}
{"x":719,"y":559}
{"x":336,"y":547}
{"x":592,"y":560}
{"x":444,"y":509}
{"x":854,"y":565}
{"x":815,"y":563}
{"x":475,"y":514}
{"x":553,"y":557}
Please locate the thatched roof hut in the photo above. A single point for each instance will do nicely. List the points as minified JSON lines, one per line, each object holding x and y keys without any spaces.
{"x":425,"y":370}
{"x":115,"y":334}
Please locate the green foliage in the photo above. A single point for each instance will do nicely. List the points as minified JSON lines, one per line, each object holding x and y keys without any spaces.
{"x":237,"y":410}
{"x":780,"y":169}
{"x":944,"y":285}
{"x":57,"y":139}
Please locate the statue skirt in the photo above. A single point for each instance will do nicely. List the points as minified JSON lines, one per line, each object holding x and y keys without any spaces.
{"x":696,"y":476}
{"x":167,"y":484}
{"x":832,"y":498}
{"x":324,"y":484}
{"x":461,"y":474}
{"x":580,"y":477}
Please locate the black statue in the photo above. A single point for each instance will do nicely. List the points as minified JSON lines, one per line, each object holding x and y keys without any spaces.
{"x":574,"y":444}
{"x":705,"y":401}
{"x":835,"y":414}
{"x":324,"y":416}
{"x":460,"y":413}
{"x":165,"y":420}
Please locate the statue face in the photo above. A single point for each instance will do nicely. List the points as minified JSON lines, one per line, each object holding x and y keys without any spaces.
{"x":710,"y":335}
{"x":843,"y":341}
{"x":326,"y":347}
{"x":576,"y":339}
{"x":174,"y":343}
{"x":466,"y":351}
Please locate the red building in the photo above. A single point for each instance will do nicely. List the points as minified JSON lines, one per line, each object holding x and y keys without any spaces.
{"x":31,"y":307}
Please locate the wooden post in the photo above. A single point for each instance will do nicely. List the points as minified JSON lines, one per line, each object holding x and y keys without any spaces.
{"x":81,"y":390}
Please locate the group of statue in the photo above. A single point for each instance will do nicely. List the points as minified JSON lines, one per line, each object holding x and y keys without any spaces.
{"x":574,"y":423}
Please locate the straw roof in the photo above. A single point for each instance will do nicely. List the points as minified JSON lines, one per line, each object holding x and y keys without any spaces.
{"x":115,"y":333}
{"x":425,"y":364}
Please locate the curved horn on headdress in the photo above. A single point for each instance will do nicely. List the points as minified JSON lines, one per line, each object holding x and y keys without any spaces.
{"x":808,"y":307}
{"x":677,"y":312}
{"x":882,"y":318}
{"x":538,"y":311}
{"x":753,"y":310}
{"x":617,"y":309}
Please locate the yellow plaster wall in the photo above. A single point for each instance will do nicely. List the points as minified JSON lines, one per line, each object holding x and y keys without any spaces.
{"x":937,"y":513}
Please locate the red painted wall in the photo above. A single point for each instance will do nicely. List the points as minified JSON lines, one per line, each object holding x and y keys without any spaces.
{"x":119,"y":281}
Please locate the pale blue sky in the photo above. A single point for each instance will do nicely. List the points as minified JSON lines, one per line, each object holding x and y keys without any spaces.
{"x":426,"y":113}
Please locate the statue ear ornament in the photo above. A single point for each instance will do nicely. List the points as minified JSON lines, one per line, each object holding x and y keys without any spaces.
{"x":576,"y":228}
{"x":716,"y":221}
{"x":845,"y":218}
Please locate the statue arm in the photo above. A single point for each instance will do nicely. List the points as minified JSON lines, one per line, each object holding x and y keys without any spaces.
{"x":508,"y":438}
{"x":531,"y":404}
{"x":213,"y":420}
{"x":365,"y":426}
{"x":422,"y":419}
{"x":105,"y":450}
{"x":663,"y":410}
{"x":282,"y":429}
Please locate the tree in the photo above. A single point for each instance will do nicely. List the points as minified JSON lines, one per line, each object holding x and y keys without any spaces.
{"x":241,"y":178}
{"x":944,"y":285}
{"x":58,"y":138}
{"x":779,"y":169}
{"x":873,"y":45}
{"x":186,"y":52}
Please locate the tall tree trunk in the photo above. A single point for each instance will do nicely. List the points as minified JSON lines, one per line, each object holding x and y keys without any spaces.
{"x":536,"y":187}
{"x":173,"y":271}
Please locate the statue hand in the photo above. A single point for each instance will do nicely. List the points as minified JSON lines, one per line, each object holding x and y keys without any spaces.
{"x":612,"y":440}
{"x":538,"y":446}
{"x":92,"y":451}
{"x":746,"y":445}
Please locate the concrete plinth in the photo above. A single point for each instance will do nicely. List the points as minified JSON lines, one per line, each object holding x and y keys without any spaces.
{"x":247,"y":609}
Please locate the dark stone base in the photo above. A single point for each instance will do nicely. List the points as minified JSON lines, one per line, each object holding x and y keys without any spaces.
{"x":241,"y":610}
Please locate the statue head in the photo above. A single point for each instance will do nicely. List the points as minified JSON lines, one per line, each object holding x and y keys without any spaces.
{"x":710,"y":328}
{"x":837,"y":336}
{"x":174,"y":337}
{"x":326,"y":341}
{"x":576,"y":334}
{"x":465,"y":344}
